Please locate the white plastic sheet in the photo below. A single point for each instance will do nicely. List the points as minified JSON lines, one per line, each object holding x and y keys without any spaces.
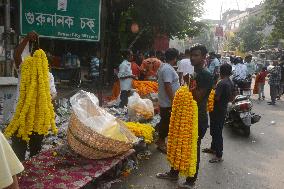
{"x":86,"y":107}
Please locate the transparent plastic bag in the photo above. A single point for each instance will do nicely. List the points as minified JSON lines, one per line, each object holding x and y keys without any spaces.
{"x":86,"y":107}
{"x":139,"y":108}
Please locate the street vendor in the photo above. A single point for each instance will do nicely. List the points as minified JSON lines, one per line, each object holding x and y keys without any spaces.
{"x":24,"y":49}
{"x":168,"y":81}
{"x":200,"y":91}
{"x":150,"y":66}
{"x":125,"y":77}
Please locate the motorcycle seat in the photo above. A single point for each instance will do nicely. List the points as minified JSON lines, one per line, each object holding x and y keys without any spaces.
{"x":240,"y":98}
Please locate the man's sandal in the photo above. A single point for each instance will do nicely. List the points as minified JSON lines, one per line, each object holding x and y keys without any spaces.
{"x":216,"y":160}
{"x":209,"y":151}
{"x":167,"y":176}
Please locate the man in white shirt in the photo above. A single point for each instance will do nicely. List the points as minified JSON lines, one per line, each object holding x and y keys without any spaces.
{"x":185,"y":69}
{"x":10,"y":165}
{"x":125,"y":77}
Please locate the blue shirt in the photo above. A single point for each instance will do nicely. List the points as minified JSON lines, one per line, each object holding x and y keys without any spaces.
{"x":95,"y":67}
{"x":214,"y":63}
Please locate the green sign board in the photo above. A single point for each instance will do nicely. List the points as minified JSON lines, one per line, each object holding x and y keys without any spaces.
{"x":63,"y":19}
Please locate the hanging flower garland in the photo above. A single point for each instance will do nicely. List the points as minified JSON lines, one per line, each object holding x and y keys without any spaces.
{"x":210,"y":103}
{"x":145,"y":87}
{"x":141,"y":130}
{"x":34,"y":111}
{"x":183,"y":133}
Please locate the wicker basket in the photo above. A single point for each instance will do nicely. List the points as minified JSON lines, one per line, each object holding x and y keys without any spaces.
{"x":92,"y":145}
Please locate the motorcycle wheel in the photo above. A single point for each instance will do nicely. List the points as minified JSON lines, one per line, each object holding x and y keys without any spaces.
{"x":246,"y":131}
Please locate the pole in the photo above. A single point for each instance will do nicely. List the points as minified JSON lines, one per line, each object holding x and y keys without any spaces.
{"x":7,"y":30}
{"x":102,"y":50}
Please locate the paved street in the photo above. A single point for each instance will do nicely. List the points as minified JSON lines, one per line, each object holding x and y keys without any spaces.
{"x":254,"y":162}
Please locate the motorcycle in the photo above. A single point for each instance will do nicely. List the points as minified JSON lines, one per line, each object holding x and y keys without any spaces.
{"x":240,"y":115}
{"x":243,"y":86}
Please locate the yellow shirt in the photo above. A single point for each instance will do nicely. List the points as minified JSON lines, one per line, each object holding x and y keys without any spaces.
{"x":9,"y":163}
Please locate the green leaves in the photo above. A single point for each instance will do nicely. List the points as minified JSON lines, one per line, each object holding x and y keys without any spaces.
{"x":274,"y":15}
{"x":171,"y":17}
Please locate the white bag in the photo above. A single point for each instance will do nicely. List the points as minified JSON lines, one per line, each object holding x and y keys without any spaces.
{"x":139,"y":108}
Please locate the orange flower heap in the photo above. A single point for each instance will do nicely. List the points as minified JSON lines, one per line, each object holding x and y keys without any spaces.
{"x":210,"y":103}
{"x":183,"y":133}
{"x":145,"y":87}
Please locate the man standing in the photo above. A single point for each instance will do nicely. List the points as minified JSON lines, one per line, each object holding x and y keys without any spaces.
{"x":214,"y":65}
{"x":223,"y":95}
{"x":185,"y":69}
{"x":200,"y":92}
{"x":125,"y":77}
{"x":150,"y":66}
{"x":274,"y":82}
{"x":168,"y":85}
{"x":251,"y":68}
{"x":281,"y":91}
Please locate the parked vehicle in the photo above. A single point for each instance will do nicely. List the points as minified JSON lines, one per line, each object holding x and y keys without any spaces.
{"x":240,"y":114}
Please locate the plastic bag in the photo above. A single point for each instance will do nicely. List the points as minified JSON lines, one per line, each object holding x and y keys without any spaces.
{"x":139,"y":108}
{"x":86,"y":107}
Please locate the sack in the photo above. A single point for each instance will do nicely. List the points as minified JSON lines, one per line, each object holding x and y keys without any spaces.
{"x":139,"y":108}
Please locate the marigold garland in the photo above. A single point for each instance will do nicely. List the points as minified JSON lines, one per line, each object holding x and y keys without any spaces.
{"x":210,"y":103}
{"x":145,"y":87}
{"x":141,"y":130}
{"x":183,"y":133}
{"x":34,"y":111}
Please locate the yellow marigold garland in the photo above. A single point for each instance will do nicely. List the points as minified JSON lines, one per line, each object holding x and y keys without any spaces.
{"x":183,"y":133}
{"x":141,"y":130}
{"x":34,"y":111}
{"x":210,"y":103}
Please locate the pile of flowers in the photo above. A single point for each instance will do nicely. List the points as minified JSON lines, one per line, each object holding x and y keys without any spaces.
{"x":183,"y":133}
{"x":141,"y":130}
{"x":34,"y":111}
{"x":145,"y":87}
{"x":210,"y":103}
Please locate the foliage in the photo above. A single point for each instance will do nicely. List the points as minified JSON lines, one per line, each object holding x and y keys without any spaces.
{"x":274,"y":15}
{"x":206,"y":37}
{"x":172,"y":17}
{"x":250,"y":34}
{"x":234,"y":43}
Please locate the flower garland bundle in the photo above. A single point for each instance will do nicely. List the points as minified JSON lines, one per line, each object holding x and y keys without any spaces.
{"x":145,"y":87}
{"x":34,"y":111}
{"x":141,"y":130}
{"x":210,"y":103}
{"x":183,"y":133}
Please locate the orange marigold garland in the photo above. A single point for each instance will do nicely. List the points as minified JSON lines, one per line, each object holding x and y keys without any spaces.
{"x":183,"y":133}
{"x":145,"y":87}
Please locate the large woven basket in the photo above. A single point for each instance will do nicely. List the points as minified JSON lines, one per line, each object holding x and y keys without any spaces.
{"x":92,"y":145}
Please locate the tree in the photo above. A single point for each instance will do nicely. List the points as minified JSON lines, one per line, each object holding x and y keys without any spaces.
{"x":250,"y":34}
{"x":274,"y":15}
{"x":174,"y":18}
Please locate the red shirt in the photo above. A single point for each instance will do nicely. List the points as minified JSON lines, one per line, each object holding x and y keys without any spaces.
{"x":135,"y":69}
{"x":261,"y":76}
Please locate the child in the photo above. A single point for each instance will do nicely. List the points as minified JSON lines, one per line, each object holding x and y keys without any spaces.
{"x":223,"y":95}
{"x":261,"y":82}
